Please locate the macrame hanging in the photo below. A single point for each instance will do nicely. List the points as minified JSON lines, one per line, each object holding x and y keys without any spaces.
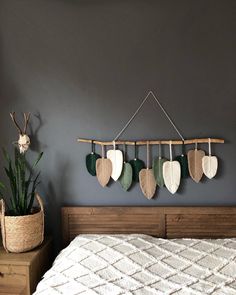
{"x":103,"y":169}
{"x":183,"y":160}
{"x":157,"y":167}
{"x":136,"y":164}
{"x":116,"y":158}
{"x":195,"y":163}
{"x":126,"y":174}
{"x":209,"y":163}
{"x":163,"y":172}
{"x":171,"y":173}
{"x":147,"y":180}
{"x":91,"y":160}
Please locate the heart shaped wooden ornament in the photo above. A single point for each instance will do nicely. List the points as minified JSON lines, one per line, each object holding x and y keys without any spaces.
{"x":137,"y":164}
{"x":91,"y":161}
{"x":147,"y":179}
{"x":116,"y":158}
{"x":103,"y":169}
{"x":195,"y":164}
{"x":157,"y":167}
{"x":171,"y":173}
{"x":209,"y":164}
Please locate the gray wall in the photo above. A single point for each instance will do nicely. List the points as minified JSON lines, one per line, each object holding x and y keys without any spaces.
{"x":84,"y":67}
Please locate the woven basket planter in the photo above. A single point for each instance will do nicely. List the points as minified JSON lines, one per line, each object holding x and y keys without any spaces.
{"x":22,"y":233}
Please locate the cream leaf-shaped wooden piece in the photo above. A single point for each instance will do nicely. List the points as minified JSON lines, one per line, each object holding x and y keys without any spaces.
{"x":172,"y":175}
{"x":116,"y":158}
{"x":147,"y":182}
{"x":209,"y":166}
{"x":195,"y":164}
{"x":103,"y":171}
{"x":209,"y":163}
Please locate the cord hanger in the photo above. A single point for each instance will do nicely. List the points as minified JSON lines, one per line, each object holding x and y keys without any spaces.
{"x":150,"y":93}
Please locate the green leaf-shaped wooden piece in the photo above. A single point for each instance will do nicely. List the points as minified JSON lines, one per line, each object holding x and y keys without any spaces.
{"x":157,"y":167}
{"x":137,"y":166}
{"x":91,"y":163}
{"x":183,"y":160}
{"x":126,"y":176}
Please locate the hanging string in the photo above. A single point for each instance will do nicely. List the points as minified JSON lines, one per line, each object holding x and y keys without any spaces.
{"x":139,"y":108}
{"x":209,"y":146}
{"x":124,"y":151}
{"x":167,"y":116}
{"x":183,"y":148}
{"x":135,"y":151}
{"x":103,"y":154}
{"x":92,"y":147}
{"x":159,"y":151}
{"x":147,"y":155}
{"x":131,"y":119}
{"x":170,"y":147}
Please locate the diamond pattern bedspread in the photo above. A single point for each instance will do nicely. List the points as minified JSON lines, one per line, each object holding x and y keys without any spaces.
{"x":140,"y":264}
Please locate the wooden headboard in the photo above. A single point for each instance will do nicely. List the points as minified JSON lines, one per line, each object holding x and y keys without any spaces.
{"x":165,"y":222}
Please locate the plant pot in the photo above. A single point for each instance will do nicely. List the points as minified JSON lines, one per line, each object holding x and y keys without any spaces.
{"x":22,"y":233}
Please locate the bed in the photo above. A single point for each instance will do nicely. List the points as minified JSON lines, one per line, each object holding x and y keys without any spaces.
{"x":145,"y":250}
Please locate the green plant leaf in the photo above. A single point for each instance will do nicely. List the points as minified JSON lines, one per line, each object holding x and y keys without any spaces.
{"x":32,"y":194}
{"x":38,"y":159}
{"x":6,"y":155}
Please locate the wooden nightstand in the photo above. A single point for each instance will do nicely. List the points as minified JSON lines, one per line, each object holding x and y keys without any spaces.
{"x":20,"y":273}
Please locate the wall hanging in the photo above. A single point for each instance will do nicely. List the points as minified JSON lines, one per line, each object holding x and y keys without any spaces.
{"x":171,"y":173}
{"x":157,"y":166}
{"x":103,"y":169}
{"x":126,"y":176}
{"x":209,"y":163}
{"x":147,"y":179}
{"x":116,"y":158}
{"x":163,"y":172}
{"x":91,"y":160}
{"x":24,"y":140}
{"x":137,"y":164}
{"x":195,"y":163}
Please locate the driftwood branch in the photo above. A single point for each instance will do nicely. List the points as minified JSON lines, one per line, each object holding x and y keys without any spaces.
{"x":153,"y":142}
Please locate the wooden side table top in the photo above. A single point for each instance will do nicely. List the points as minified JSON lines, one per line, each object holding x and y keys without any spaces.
{"x":22,"y":258}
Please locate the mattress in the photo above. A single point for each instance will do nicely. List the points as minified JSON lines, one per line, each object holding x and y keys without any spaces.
{"x":142,"y":265}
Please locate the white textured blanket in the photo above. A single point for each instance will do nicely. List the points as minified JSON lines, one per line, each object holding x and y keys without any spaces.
{"x":142,"y":265}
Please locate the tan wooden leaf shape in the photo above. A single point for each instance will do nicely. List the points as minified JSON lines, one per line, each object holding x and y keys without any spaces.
{"x":103,"y":171}
{"x":195,"y":164}
{"x":209,"y":166}
{"x":147,"y":182}
{"x":172,"y":175}
{"x":116,"y":158}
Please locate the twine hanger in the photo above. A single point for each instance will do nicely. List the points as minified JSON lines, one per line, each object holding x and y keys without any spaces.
{"x":150,"y":93}
{"x":182,"y":141}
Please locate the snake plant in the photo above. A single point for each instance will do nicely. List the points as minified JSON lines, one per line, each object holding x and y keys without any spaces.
{"x":22,"y":181}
